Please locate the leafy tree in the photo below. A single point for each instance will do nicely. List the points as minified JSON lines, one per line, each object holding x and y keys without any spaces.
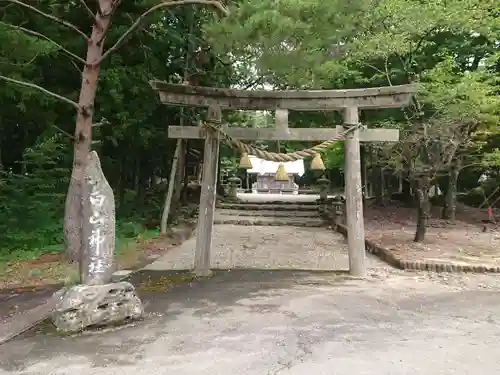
{"x":449,"y":46}
{"x":35,"y":197}
{"x":99,"y":21}
{"x":132,"y":141}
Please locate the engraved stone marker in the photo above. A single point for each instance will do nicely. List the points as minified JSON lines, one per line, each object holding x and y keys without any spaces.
{"x":97,"y":302}
{"x":98,"y":225}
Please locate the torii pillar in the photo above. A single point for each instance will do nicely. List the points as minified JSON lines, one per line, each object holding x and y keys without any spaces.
{"x":348,"y":101}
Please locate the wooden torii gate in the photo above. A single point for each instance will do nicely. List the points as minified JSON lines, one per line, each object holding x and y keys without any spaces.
{"x":348,"y":101}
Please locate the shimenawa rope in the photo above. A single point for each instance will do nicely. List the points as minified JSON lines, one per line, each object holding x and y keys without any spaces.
{"x":273,"y":156}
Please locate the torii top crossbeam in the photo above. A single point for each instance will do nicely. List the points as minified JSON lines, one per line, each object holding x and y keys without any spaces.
{"x":300,"y":100}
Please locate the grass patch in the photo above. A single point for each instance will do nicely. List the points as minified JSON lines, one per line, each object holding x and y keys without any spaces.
{"x":47,"y":265}
{"x":7,"y":257}
{"x":127,"y":235}
{"x":125,"y":242}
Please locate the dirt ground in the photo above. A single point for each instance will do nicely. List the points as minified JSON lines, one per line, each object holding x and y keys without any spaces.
{"x":462,"y":242}
{"x":22,"y":289}
{"x":53,"y":269}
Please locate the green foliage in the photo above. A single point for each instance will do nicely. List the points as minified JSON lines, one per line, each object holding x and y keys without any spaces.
{"x":230,"y":164}
{"x":313,"y":43}
{"x":491,"y":159}
{"x":462,"y":96}
{"x":130,"y":229}
{"x":333,"y":158}
{"x":129,"y":233}
{"x":31,"y":208}
{"x":134,"y":148}
{"x":449,"y":47}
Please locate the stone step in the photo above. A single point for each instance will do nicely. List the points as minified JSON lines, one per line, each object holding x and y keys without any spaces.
{"x":270,"y":221}
{"x":264,"y":213}
{"x":268,"y":207}
{"x":283,"y":202}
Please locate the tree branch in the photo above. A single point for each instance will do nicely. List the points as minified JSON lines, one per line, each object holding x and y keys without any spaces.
{"x":50,"y":17}
{"x":39,"y":88}
{"x":64,"y":132}
{"x":254,"y":82}
{"x":478,"y":164}
{"x":40,"y":35}
{"x":78,"y":69}
{"x":101,"y":123}
{"x":22,"y":64}
{"x":3,"y":9}
{"x":162,"y":5}
{"x":110,"y":10}
{"x":386,"y":68}
{"x":371,"y":66}
{"x":89,"y":11}
{"x":110,"y":14}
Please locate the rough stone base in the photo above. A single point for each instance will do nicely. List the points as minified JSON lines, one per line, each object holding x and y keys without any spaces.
{"x":84,"y":306}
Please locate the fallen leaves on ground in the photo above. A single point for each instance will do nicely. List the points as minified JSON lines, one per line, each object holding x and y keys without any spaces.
{"x":163,"y":283}
{"x":463,"y":240}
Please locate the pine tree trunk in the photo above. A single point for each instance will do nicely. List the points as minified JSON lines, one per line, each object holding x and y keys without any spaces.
{"x":181,"y":169}
{"x":170,"y":191}
{"x":364,"y":171}
{"x":1,"y":148}
{"x":450,"y":202}
{"x":186,"y":175}
{"x":408,"y":194}
{"x":388,"y":183}
{"x":424,"y":206}
{"x":377,"y":179}
{"x":73,"y":216}
{"x":378,"y":185}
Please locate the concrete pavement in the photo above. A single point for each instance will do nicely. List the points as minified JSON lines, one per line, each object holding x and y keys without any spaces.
{"x":283,"y":322}
{"x":256,"y":322}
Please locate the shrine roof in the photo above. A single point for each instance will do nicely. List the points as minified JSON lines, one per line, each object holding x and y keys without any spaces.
{"x":261,"y":166}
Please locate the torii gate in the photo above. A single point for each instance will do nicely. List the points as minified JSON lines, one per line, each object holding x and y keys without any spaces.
{"x":348,"y":101}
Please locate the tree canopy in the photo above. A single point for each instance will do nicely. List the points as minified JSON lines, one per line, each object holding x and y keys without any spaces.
{"x":449,"y":48}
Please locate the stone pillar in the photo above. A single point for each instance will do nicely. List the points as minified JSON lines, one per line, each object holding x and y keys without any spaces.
{"x":338,"y":210}
{"x":97,"y":302}
{"x":354,"y":197}
{"x":324,"y":184}
{"x":234,"y":182}
{"x":207,"y":198}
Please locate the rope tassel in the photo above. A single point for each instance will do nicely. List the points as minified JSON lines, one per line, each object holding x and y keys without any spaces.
{"x":317,"y":163}
{"x":281,"y":174}
{"x":245,"y":162}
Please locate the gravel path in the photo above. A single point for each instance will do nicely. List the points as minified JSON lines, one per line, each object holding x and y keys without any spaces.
{"x":279,"y":247}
